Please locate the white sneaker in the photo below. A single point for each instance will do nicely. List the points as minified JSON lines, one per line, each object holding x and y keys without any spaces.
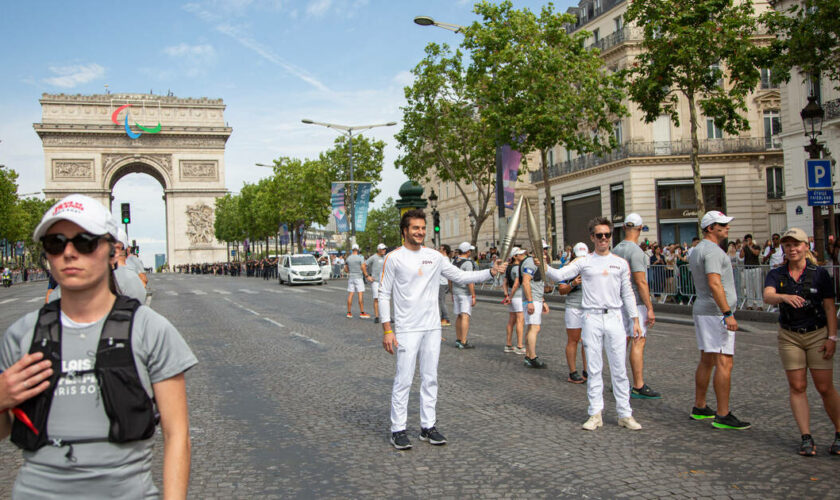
{"x":510,"y":348}
{"x":594,"y":422}
{"x":519,"y":350}
{"x":630,"y":423}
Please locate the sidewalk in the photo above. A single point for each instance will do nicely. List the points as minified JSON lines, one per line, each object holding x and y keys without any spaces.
{"x":748,"y":321}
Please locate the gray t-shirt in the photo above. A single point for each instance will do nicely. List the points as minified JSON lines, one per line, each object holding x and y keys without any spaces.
{"x":530,"y":268}
{"x":354,"y":266}
{"x":638,"y":261}
{"x":129,"y":284}
{"x":464,"y":265}
{"x":101,"y":469}
{"x":708,"y":258}
{"x":374,"y":266}
{"x":134,"y":263}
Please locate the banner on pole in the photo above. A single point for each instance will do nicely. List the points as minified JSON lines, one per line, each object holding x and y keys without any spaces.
{"x":361,"y":206}
{"x":284,"y":234}
{"x":511,"y":159}
{"x":338,"y":207}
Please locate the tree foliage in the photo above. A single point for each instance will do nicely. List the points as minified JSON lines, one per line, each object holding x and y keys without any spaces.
{"x":9,"y":210}
{"x":704,"y":50}
{"x":540,"y":86}
{"x":807,"y":37}
{"x":383,"y":226}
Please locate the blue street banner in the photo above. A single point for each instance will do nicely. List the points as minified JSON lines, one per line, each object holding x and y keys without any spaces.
{"x":284,"y":234}
{"x":510,"y":161}
{"x":338,"y":207}
{"x":361,"y":206}
{"x":19,"y":249}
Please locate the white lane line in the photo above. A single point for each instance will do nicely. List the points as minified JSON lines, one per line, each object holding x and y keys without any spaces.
{"x":245,"y":290}
{"x":274,"y":290}
{"x":304,"y":337}
{"x":255,"y":313}
{"x":171,"y":292}
{"x":337,"y":288}
{"x":8,"y":300}
{"x":36,"y":299}
{"x":223,"y":292}
{"x":199,"y":292}
{"x":273,"y":322}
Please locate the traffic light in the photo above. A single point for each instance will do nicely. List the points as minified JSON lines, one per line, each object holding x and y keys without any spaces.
{"x":437,"y":222}
{"x":126,"y":213}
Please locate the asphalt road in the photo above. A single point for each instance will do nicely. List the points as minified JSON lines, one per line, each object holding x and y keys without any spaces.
{"x":290,"y":399}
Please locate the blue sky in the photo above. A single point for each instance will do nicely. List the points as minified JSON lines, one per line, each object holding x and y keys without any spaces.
{"x":273,"y":62}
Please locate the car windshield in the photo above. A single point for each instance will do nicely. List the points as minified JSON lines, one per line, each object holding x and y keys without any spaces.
{"x":303,"y":260}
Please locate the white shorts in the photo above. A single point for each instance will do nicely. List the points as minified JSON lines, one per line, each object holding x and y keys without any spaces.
{"x":628,"y":322}
{"x":374,"y":289}
{"x":536,"y":318}
{"x":574,"y":318}
{"x":712,"y":335}
{"x":356,"y":285}
{"x":515,"y":305}
{"x":463,"y":304}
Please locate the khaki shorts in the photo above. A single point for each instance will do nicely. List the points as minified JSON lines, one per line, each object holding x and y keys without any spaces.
{"x":802,"y":350}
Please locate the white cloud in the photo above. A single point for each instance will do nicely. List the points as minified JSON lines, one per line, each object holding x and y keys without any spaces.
{"x":73,"y":75}
{"x":318,"y":7}
{"x":194,"y":60}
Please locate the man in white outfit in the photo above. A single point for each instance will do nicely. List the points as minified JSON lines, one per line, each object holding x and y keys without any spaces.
{"x":410,"y":279}
{"x":606,"y":288}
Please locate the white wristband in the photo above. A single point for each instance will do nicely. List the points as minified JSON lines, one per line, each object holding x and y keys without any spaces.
{"x":833,"y":338}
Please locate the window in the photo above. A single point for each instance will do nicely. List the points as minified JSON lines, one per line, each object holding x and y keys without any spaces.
{"x":775,"y":183}
{"x":596,"y":35}
{"x":619,"y":136}
{"x":681,"y":197}
{"x":712,"y":130}
{"x":814,"y":87}
{"x":766,"y":77}
{"x":772,"y":129}
{"x":550,"y":157}
{"x":619,"y":23}
{"x":715,"y":70}
{"x":568,"y":155}
{"x":617,"y":211}
{"x":597,"y":5}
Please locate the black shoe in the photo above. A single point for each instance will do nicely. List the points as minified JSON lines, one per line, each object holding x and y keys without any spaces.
{"x":702,"y":413}
{"x":834,"y":449}
{"x":432,"y":436}
{"x":644,"y":393}
{"x":585,"y":375}
{"x":575,"y":378}
{"x":534,"y":363}
{"x":807,"y":448}
{"x":730,"y":422}
{"x":400,"y":440}
{"x":459,"y":345}
{"x":376,"y":319}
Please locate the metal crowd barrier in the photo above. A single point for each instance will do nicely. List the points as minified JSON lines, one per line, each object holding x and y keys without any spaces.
{"x":39,"y":275}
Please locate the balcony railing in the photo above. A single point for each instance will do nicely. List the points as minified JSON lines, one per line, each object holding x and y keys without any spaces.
{"x":832,"y":109}
{"x":660,"y":148}
{"x":625,"y":34}
{"x":775,"y":195}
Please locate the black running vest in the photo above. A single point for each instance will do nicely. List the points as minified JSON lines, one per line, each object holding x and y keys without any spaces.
{"x":812,"y":312}
{"x":129,"y":408}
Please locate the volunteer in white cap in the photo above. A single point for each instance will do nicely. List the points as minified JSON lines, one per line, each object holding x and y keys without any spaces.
{"x":606,"y":289}
{"x":463,"y":297}
{"x":355,"y":281}
{"x":62,"y":382}
{"x":372,"y":269}
{"x":714,"y":321}
{"x":573,"y":290}
{"x":630,"y":251}
{"x":513,"y":298}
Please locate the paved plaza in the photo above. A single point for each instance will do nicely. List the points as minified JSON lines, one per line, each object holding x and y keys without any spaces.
{"x":290,"y":399}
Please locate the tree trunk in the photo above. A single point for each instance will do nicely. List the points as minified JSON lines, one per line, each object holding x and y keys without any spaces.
{"x":694,"y":158}
{"x":549,"y":223}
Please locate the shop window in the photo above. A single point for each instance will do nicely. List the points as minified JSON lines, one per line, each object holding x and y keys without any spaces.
{"x":775,"y":183}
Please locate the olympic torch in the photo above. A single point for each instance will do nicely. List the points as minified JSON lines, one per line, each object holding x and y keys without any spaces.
{"x":536,"y":239}
{"x":513,"y":226}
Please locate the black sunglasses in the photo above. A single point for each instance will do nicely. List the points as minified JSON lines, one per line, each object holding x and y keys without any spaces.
{"x":602,"y":236}
{"x":84,"y":243}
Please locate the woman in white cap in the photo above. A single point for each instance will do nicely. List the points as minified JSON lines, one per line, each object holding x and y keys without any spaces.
{"x":573,"y":290}
{"x":87,"y":376}
{"x":513,"y":299}
{"x":807,"y":333}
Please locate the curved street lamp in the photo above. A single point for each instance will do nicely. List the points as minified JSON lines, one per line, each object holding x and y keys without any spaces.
{"x":428,"y":21}
{"x":348,"y":131}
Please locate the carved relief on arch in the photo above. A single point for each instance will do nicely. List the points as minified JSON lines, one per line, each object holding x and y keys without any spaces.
{"x":72,"y":169}
{"x":200,"y":224}
{"x":199,"y":170}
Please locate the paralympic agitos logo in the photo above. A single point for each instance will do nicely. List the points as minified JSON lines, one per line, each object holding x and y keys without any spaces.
{"x":128,"y":131}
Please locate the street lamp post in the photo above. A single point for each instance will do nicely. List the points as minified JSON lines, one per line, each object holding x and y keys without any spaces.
{"x":348,"y":131}
{"x":812,"y":119}
{"x":428,"y":21}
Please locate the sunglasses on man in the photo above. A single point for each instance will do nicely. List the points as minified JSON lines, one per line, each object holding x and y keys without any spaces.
{"x":601,"y":236}
{"x":84,"y":243}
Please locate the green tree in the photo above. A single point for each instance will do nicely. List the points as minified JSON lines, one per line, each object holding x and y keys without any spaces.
{"x":540,"y":86}
{"x":687,"y":45}
{"x":383,"y":226}
{"x":303,"y":188}
{"x":442,"y":134}
{"x":368,"y":160}
{"x":807,"y":37}
{"x":30,"y":212}
{"x":9,"y":210}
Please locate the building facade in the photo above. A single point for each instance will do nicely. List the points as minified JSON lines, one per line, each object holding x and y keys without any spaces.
{"x":650,"y":174}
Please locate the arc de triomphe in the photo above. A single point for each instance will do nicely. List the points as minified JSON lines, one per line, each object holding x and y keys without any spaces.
{"x":91,"y":141}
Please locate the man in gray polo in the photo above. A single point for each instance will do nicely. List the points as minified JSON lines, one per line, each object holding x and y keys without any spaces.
{"x":355,"y":281}
{"x":463,"y":297}
{"x":714,"y":322}
{"x":630,"y":251}
{"x":372,"y":269}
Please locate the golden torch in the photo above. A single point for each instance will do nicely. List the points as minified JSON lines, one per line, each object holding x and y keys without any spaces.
{"x":513,"y":226}
{"x":536,"y":241}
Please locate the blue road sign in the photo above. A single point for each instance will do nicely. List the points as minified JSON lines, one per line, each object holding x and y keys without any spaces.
{"x":818,"y":174}
{"x":820,"y":197}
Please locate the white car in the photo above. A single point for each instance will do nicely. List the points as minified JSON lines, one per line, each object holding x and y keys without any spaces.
{"x":299,"y":268}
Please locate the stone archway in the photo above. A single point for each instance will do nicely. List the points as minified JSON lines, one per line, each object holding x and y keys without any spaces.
{"x":85,"y":152}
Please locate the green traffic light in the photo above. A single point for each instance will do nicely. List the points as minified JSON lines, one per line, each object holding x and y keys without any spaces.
{"x":125,"y":220}
{"x":437,"y":229}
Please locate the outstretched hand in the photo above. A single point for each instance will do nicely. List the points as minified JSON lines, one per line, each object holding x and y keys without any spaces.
{"x":498,"y":267}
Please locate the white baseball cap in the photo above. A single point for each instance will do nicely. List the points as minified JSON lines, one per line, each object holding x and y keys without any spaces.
{"x":633,"y":220}
{"x":580,"y":249}
{"x":517,"y":251}
{"x":714,"y":217}
{"x":465,"y":247}
{"x":122,"y":237}
{"x":545,"y":245}
{"x":81,"y":210}
{"x":354,"y":247}
{"x":381,"y":246}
